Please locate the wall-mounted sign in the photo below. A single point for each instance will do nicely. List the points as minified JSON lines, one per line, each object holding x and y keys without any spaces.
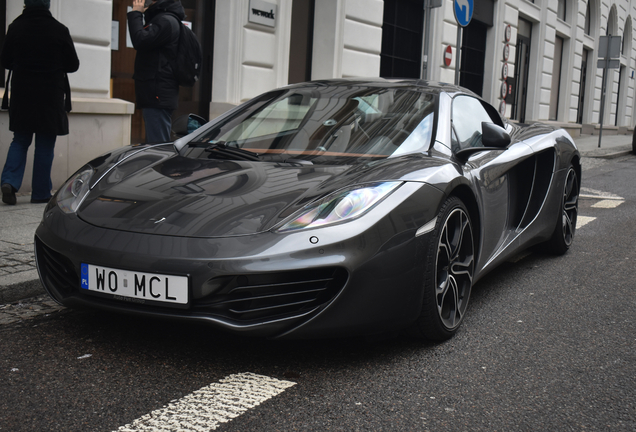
{"x":504,"y":71}
{"x":502,"y":108}
{"x":510,"y":97}
{"x":262,"y":12}
{"x":448,"y":55}
{"x":504,"y":90}
{"x":508,"y":33}
{"x":506,"y":52}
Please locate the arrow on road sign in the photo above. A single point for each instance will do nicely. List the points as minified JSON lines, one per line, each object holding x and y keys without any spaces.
{"x":463,"y":11}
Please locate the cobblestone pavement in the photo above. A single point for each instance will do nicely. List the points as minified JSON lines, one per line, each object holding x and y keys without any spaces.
{"x":15,"y":258}
{"x":27,"y":309}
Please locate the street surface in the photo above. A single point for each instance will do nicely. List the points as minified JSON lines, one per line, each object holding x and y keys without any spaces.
{"x":549,"y":344}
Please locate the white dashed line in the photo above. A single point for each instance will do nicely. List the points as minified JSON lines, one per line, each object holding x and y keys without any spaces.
{"x":206,"y":408}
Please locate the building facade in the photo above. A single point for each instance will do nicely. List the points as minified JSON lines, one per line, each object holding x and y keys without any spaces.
{"x":535,"y":60}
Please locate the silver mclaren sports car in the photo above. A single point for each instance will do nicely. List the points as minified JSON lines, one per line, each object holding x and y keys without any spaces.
{"x":322,"y":209}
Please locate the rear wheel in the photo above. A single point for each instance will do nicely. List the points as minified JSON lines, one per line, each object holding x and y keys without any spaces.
{"x":450,"y":266}
{"x":563,"y":234}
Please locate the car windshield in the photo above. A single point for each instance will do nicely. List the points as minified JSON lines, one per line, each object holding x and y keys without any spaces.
{"x":310,"y":123}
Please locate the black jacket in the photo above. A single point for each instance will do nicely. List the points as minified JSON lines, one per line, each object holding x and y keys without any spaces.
{"x":39,"y":50}
{"x":156,"y":45}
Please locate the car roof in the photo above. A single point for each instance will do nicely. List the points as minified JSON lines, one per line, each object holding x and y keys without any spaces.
{"x":429,"y":86}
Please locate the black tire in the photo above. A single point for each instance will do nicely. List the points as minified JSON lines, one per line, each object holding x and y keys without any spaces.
{"x":449,"y":271}
{"x":563,"y":234}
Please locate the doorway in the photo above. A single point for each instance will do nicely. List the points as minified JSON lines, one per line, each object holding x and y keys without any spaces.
{"x":200,"y":14}
{"x":522,"y":62}
{"x":302,"y":41}
{"x":401,"y":55}
{"x":581,"y":106}
{"x":473,"y":56}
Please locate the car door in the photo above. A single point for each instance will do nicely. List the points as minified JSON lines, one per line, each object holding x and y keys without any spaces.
{"x":493,"y":173}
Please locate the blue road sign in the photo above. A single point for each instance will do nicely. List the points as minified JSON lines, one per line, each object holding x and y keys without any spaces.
{"x":463,"y":11}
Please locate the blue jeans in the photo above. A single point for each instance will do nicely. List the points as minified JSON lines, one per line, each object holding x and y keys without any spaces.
{"x":158,"y":125}
{"x":13,"y":171}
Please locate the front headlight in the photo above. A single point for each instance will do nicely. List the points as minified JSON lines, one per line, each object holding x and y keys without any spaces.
{"x":341,"y":206}
{"x":75,"y":190}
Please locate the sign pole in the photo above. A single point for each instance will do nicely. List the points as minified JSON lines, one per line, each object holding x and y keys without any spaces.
{"x":608,"y":59}
{"x":427,"y":25}
{"x":457,"y":54}
{"x":429,"y":5}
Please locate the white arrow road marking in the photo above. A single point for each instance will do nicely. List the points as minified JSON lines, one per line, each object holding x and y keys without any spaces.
{"x":583,"y":220}
{"x":607,"y":203}
{"x":206,"y":408}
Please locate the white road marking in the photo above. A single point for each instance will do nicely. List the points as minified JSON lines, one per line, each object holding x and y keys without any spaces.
{"x":583,"y":220}
{"x":602,"y":197}
{"x":206,"y":408}
{"x":598,"y":194}
{"x":607,"y":204}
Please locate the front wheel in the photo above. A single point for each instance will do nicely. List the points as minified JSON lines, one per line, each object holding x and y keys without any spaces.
{"x":563,"y":234}
{"x":449,"y":270}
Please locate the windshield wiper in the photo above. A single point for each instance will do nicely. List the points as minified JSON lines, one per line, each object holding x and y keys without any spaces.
{"x":223,"y":149}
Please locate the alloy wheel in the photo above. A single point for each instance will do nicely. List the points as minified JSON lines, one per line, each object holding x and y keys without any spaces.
{"x":570,"y":206}
{"x":455,"y":268}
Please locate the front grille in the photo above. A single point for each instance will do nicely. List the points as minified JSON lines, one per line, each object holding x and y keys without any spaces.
{"x":270,"y":296}
{"x":56,"y":270}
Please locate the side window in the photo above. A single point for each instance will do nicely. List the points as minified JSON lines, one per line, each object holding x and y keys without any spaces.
{"x":468,"y":114}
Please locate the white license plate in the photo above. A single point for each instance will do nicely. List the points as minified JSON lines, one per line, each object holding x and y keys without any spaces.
{"x":128,"y":285}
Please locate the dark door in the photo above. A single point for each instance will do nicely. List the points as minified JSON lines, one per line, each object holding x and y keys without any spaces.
{"x":200,"y":13}
{"x":401,"y":55}
{"x":3,"y":22}
{"x":579,"y":114}
{"x":473,"y":55}
{"x":621,"y":71}
{"x":302,"y":40}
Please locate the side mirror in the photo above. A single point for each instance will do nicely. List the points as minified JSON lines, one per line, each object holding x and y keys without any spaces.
{"x":494,"y":136}
{"x":186,"y":124}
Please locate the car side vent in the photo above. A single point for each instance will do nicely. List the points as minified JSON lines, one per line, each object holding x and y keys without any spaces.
{"x":55,"y":268}
{"x":266,"y":297}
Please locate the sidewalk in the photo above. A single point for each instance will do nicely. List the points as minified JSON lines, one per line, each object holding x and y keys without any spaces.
{"x":19,"y":277}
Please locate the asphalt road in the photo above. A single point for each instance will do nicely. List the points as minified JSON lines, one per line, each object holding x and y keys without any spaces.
{"x":549,"y":344}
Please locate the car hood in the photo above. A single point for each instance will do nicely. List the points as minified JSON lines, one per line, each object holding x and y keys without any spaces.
{"x":159,"y":192}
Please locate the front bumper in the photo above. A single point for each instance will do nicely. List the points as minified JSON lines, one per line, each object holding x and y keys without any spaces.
{"x":361,"y":280}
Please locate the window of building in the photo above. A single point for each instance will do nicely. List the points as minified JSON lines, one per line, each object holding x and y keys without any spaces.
{"x":588,"y":20}
{"x":402,"y":29}
{"x":556,"y":78}
{"x":561,"y":11}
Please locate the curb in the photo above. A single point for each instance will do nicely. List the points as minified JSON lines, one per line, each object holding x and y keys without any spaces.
{"x":19,"y":291}
{"x":610,"y":155}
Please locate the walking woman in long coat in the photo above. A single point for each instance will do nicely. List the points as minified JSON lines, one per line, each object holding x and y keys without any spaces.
{"x":39,"y":52}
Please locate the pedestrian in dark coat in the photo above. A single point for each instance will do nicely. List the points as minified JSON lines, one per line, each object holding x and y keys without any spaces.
{"x":39,"y":52}
{"x":156,"y":41}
